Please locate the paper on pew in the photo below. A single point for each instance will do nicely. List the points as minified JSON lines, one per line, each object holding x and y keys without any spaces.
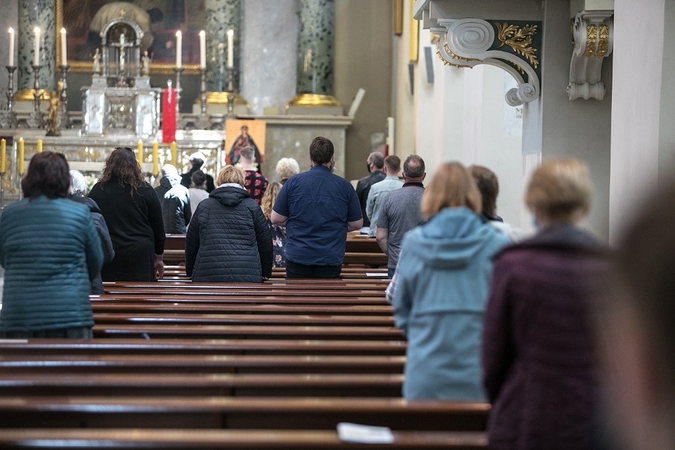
{"x":377,"y":274}
{"x":364,"y":434}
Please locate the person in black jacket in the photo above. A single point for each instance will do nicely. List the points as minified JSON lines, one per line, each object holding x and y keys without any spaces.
{"x":228,"y":239}
{"x":77,"y":192}
{"x":175,"y":201}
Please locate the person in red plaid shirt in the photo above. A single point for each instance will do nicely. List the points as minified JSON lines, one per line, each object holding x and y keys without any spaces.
{"x":254,"y":183}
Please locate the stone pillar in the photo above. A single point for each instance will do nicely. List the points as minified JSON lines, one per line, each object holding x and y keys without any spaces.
{"x":221,"y":15}
{"x":315,"y":54}
{"x":34,"y":13}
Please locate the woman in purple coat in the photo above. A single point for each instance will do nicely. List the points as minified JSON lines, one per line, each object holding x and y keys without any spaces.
{"x":540,"y":371}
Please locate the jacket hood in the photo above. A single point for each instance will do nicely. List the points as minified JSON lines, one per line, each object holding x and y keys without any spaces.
{"x":169,"y":181}
{"x":229,"y":195}
{"x":563,"y":238}
{"x":453,"y":237}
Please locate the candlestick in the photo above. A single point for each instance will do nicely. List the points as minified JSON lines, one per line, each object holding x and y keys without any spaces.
{"x":230,"y":93}
{"x":38,"y":147}
{"x":202,"y":49}
{"x":20,"y":155}
{"x":179,"y":49}
{"x":155,"y":156}
{"x":36,"y":47}
{"x":11,"y":47}
{"x":64,"y":119}
{"x":35,"y":120}
{"x":174,"y":161}
{"x":3,"y":156}
{"x":64,"y":48}
{"x":230,"y":48}
{"x":179,"y":90}
{"x":7,"y":117}
{"x":139,"y":154}
{"x":203,"y":121}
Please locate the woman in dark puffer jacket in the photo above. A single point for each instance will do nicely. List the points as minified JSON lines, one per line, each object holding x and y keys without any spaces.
{"x":228,"y":239}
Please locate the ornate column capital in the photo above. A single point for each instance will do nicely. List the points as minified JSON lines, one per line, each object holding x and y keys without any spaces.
{"x":593,"y":42}
{"x":513,"y":46}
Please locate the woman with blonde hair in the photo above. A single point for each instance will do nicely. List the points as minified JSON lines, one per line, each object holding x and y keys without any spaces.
{"x":228,"y":239}
{"x":539,"y":364}
{"x":441,"y":285}
{"x":278,"y":232}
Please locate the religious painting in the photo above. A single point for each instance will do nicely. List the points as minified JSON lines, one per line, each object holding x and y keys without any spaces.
{"x":158,"y":19}
{"x":244,"y":133}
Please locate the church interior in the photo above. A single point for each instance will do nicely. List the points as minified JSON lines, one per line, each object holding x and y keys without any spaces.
{"x":504,"y":84}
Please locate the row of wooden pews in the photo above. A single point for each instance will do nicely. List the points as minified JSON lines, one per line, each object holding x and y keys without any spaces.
{"x":274,"y":365}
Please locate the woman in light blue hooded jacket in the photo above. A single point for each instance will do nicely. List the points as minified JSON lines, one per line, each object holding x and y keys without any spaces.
{"x":441,"y":286}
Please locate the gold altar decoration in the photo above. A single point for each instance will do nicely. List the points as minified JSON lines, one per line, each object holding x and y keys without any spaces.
{"x":314,"y":100}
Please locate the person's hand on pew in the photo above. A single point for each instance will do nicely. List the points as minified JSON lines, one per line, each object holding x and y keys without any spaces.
{"x":159,"y":266}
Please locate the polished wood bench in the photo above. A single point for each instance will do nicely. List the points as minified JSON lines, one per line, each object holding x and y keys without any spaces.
{"x":134,"y":438}
{"x":239,"y":413}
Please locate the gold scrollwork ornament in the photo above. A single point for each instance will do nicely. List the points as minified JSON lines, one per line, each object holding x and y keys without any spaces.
{"x":519,"y":39}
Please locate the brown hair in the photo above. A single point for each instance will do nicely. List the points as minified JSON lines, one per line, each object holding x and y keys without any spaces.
{"x":321,"y":150}
{"x":488,"y":185}
{"x":48,"y":175}
{"x":231,"y":174}
{"x":268,"y":199}
{"x":122,"y":166}
{"x":560,"y":190}
{"x":451,"y":186}
{"x":393,"y":163}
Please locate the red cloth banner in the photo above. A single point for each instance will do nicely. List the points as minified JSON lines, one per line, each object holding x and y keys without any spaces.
{"x":168,"y":116}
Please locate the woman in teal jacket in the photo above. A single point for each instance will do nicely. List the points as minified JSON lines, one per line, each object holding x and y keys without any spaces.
{"x":50,"y":250}
{"x":441,"y":286}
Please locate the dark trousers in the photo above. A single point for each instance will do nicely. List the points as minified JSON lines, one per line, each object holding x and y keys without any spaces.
{"x":295,"y":270}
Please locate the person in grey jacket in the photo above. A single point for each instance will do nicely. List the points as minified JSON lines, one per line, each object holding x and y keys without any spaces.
{"x":77,"y":193}
{"x":228,"y":239}
{"x":50,"y":251}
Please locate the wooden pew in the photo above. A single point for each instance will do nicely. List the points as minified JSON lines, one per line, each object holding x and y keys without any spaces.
{"x":134,"y":438}
{"x":239,"y":413}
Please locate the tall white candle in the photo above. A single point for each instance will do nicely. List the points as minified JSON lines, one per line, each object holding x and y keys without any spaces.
{"x":36,"y":47}
{"x":11,"y":47}
{"x":64,"y":48}
{"x":230,"y":48}
{"x":179,"y":49}
{"x":202,"y":49}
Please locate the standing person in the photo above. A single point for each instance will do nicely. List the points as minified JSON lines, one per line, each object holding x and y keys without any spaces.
{"x":77,"y":193}
{"x":134,"y":217}
{"x":392,"y":166}
{"x":197,"y":190}
{"x":375,"y":164}
{"x":278,"y":232}
{"x":255,"y":183}
{"x":540,"y":369}
{"x":286,"y":168}
{"x":318,"y":208}
{"x":197,"y":161}
{"x":400,"y":211}
{"x":442,"y":283}
{"x":175,"y":201}
{"x":50,"y":251}
{"x":242,"y":141}
{"x":228,"y":240}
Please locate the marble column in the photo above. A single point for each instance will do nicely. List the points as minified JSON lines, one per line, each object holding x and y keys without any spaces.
{"x":315,"y":49}
{"x":221,"y":15}
{"x":34,"y":13}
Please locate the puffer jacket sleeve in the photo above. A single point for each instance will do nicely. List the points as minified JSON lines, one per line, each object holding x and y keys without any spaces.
{"x":104,"y":236}
{"x":264,"y":239}
{"x":192,"y":241}
{"x":92,"y":249}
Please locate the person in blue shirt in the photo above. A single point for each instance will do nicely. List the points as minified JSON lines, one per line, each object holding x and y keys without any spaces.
{"x":318,"y":208}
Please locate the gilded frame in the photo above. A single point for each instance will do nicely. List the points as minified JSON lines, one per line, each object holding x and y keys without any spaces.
{"x":86,"y":66}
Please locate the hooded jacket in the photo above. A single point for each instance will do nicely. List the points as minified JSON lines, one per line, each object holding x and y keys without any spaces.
{"x":443,"y":277}
{"x":228,"y":239}
{"x":175,"y":201}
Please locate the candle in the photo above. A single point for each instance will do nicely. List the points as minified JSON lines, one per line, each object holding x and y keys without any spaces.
{"x":179,"y":49}
{"x":11,"y":47}
{"x":36,"y":47}
{"x":139,"y":154}
{"x":155,"y":156}
{"x":174,"y":161}
{"x":3,"y":161}
{"x":64,"y":48}
{"x":230,"y":48}
{"x":202,"y":49}
{"x":20,"y":156}
{"x":39,"y":146}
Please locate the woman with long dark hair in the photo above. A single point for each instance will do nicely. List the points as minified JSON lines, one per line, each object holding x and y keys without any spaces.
{"x":50,"y":251}
{"x":134,"y":217}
